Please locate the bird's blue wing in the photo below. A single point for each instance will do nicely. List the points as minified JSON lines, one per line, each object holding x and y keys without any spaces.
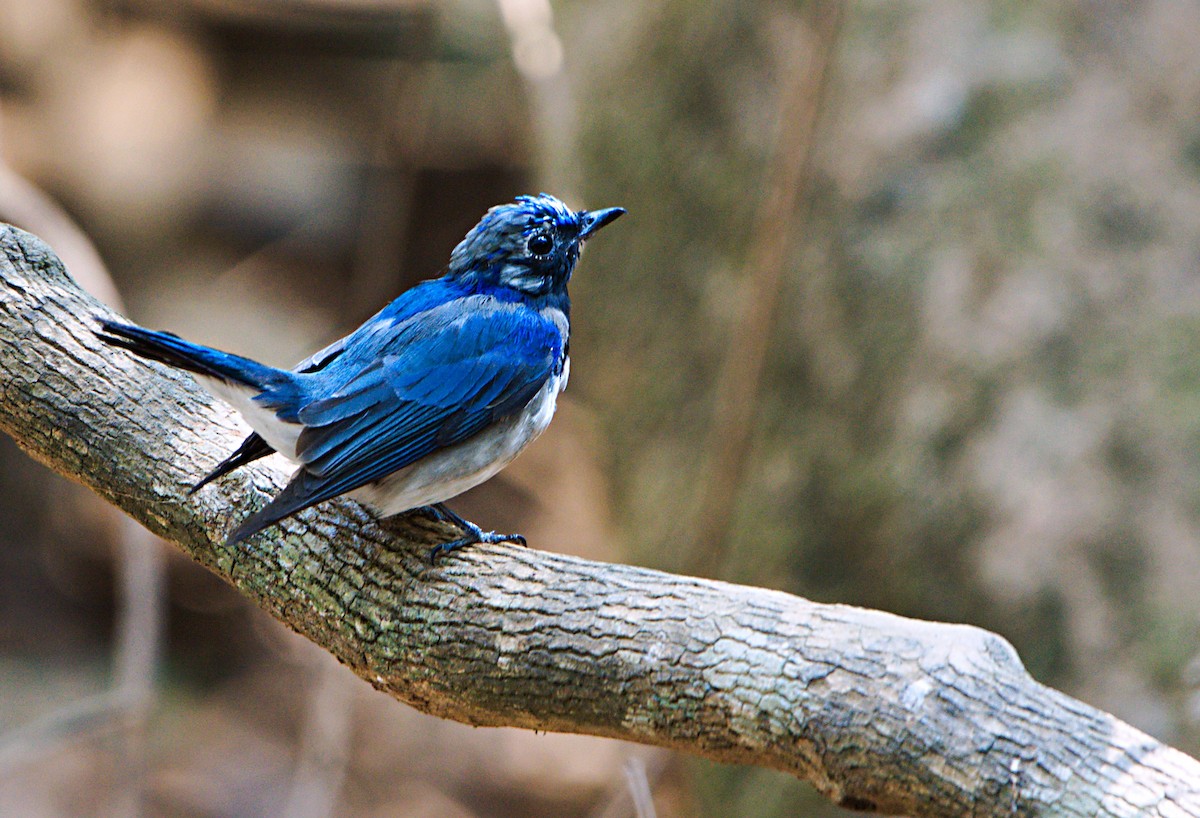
{"x":322,"y":358}
{"x":448,"y":374}
{"x":421,"y":298}
{"x":407,"y":305}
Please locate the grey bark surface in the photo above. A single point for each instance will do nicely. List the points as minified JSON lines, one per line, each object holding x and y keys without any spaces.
{"x":879,"y":712}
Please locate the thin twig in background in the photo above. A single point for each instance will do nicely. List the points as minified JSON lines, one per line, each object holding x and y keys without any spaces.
{"x":633,"y":795}
{"x":323,"y":756}
{"x":141,"y":583}
{"x":537,"y":53}
{"x":639,"y":787}
{"x":141,"y":565}
{"x":26,"y":206}
{"x":740,"y":377}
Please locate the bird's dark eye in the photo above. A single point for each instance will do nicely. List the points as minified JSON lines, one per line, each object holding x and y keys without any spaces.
{"x":540,"y":245}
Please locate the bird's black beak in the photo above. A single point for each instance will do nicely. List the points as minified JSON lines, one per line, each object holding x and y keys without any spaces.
{"x":593,"y":220}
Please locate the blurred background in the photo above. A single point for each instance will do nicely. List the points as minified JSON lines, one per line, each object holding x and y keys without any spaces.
{"x":905,"y":314}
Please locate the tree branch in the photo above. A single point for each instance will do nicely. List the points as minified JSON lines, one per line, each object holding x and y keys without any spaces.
{"x":878,"y":712}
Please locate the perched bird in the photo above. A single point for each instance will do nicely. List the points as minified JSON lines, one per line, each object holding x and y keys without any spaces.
{"x":433,"y":395}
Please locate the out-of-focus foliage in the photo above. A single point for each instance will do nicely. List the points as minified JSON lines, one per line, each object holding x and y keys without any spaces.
{"x":981,"y":401}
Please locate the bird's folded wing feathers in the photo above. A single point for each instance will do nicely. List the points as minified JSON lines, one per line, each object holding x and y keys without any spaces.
{"x":434,"y":393}
{"x":321,"y":358}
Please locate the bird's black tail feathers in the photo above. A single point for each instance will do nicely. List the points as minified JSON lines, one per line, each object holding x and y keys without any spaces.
{"x":303,"y":491}
{"x":170,"y":349}
{"x":252,"y":448}
{"x":278,"y":389}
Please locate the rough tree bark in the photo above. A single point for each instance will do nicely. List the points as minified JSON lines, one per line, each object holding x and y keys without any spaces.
{"x":878,"y":712}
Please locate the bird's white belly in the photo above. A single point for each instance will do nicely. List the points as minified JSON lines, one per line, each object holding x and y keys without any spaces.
{"x":450,"y":472}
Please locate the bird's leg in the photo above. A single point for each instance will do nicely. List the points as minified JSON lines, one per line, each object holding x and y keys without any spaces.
{"x":437,"y":513}
{"x":474,"y":534}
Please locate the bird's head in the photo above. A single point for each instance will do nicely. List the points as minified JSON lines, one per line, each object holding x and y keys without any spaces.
{"x":530,"y":245}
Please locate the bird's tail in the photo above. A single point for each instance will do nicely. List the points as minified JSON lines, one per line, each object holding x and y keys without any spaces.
{"x":172,"y":350}
{"x":303,"y":491}
{"x":252,"y":449}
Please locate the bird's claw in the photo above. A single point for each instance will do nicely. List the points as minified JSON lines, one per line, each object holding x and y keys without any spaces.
{"x":474,"y":538}
{"x":474,"y":534}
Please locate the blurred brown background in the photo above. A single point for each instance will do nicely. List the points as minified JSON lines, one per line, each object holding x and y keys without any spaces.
{"x":950,"y":369}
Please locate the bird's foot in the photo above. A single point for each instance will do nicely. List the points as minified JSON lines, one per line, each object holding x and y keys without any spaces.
{"x":473,"y":538}
{"x":473,"y":533}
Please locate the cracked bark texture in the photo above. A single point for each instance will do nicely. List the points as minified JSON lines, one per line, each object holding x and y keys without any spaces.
{"x":879,"y":712}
